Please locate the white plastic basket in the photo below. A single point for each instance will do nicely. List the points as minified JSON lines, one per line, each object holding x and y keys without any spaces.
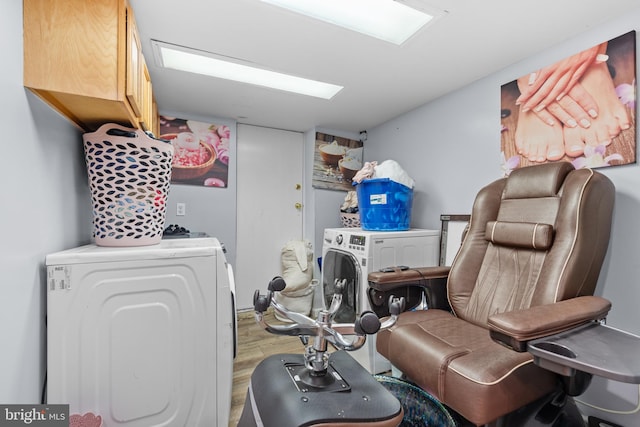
{"x":129,"y":175}
{"x":350,"y":220}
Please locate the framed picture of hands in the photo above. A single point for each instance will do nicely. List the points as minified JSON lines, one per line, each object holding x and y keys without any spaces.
{"x":581,"y":109}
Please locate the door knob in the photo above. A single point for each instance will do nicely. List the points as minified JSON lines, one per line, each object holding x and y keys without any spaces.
{"x":298,"y":205}
{"x":298,"y":186}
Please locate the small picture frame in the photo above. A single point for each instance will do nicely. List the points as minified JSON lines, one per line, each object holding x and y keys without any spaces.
{"x":451,"y":234}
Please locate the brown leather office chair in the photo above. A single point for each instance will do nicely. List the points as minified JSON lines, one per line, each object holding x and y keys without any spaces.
{"x":527,"y":268}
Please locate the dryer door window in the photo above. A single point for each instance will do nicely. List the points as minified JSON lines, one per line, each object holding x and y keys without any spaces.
{"x":338,"y":265}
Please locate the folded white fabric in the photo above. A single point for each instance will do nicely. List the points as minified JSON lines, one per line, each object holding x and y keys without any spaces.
{"x":366,"y":172}
{"x":392,"y":170}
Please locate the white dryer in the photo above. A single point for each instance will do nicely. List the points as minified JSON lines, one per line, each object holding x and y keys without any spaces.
{"x":352,"y":253}
{"x":142,"y":336}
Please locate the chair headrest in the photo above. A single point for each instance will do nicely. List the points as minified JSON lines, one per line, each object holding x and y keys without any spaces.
{"x":537,"y":181}
{"x":520,"y":234}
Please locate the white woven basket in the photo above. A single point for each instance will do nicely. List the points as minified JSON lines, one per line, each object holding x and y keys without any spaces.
{"x":129,"y":175}
{"x":350,"y":220}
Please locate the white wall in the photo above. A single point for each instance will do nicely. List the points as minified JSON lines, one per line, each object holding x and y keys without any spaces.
{"x":451,"y":147}
{"x":46,"y":207}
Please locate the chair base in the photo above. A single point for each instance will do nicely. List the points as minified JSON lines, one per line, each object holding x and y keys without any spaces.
{"x":279,"y":398}
{"x":554,"y":410}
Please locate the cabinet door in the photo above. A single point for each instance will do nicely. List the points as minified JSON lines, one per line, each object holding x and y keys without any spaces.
{"x":155,"y":127}
{"x":146,"y":118}
{"x":134,"y":66}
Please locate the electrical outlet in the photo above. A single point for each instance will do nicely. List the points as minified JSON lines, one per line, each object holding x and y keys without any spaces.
{"x":181,"y":209}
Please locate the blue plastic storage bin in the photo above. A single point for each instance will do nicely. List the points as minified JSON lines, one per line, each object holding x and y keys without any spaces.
{"x":384,"y":205}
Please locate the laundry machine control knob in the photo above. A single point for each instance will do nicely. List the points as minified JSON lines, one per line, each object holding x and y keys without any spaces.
{"x":339,"y":239}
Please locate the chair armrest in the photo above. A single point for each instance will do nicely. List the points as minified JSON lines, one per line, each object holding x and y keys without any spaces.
{"x":397,"y":280}
{"x":516,"y":328}
{"x":396,"y":277}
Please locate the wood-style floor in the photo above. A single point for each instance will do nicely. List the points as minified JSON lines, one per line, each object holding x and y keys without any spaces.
{"x":254,"y":344}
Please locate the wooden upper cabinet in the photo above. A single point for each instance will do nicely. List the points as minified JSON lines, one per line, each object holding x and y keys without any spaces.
{"x":84,"y":59}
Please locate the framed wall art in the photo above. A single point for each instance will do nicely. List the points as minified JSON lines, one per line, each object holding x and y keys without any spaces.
{"x":336,"y":161}
{"x":452,"y":231}
{"x":580,"y":109}
{"x":201,"y":155}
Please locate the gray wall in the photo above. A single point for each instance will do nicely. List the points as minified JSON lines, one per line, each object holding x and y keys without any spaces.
{"x":213,"y":210}
{"x":209,"y":209}
{"x":451,"y":147}
{"x":322,"y":207}
{"x":45,"y":208}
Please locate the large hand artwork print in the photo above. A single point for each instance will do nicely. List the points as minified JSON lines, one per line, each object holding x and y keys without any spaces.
{"x":580,"y":109}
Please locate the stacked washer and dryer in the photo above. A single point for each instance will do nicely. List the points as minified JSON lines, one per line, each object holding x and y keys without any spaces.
{"x":350,"y":254}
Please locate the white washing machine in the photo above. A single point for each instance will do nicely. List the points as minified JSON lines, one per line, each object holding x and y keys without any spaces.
{"x":352,"y":253}
{"x":142,"y":336}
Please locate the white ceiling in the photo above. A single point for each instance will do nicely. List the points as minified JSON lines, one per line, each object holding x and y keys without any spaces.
{"x":381,"y":80}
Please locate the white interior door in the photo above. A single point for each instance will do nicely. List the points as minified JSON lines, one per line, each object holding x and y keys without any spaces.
{"x":269,"y":201}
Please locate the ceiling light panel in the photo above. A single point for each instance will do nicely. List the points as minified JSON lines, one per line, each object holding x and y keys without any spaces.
{"x":195,"y":61}
{"x":388,"y":20}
